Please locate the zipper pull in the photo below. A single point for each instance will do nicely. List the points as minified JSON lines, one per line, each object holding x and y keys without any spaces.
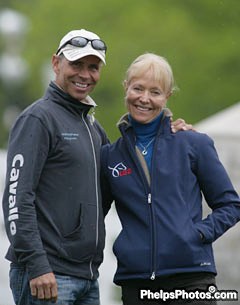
{"x":153,"y":276}
{"x":149,"y":198}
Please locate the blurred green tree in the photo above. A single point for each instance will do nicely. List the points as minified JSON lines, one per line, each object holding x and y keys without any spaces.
{"x":199,"y":38}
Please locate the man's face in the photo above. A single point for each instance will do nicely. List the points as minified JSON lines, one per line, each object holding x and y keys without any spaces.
{"x":77,"y":78}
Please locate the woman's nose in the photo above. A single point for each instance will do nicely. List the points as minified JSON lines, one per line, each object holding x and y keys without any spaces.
{"x":144,"y":97}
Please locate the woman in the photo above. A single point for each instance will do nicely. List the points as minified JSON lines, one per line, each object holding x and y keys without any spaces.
{"x":157,"y":179}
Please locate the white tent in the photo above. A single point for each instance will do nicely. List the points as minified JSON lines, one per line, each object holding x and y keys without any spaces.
{"x":224,"y":129}
{"x":223,"y":123}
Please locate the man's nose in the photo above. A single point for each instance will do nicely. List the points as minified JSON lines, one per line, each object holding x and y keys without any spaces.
{"x":83,"y":72}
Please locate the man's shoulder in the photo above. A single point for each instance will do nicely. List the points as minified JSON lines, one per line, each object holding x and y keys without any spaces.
{"x":37,"y":108}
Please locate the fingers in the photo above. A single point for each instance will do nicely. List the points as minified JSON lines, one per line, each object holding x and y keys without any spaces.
{"x":44,"y":287}
{"x":180,"y":124}
{"x":54,"y":294}
{"x":33,"y":291}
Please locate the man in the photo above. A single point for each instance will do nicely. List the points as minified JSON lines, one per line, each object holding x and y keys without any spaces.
{"x":52,"y":200}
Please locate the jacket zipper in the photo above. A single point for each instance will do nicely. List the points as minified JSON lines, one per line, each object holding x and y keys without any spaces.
{"x":96,"y":188}
{"x":149,"y":201}
{"x":154,"y":246}
{"x":152,"y":277}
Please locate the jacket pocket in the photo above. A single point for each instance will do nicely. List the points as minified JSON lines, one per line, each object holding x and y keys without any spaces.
{"x":184,"y":248}
{"x":133,"y":253}
{"x":79,"y":245}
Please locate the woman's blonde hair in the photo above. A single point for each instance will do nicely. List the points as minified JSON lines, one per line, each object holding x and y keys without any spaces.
{"x":158,"y":65}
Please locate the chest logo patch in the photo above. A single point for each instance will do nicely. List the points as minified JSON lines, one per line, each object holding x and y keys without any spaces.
{"x":120,"y":170}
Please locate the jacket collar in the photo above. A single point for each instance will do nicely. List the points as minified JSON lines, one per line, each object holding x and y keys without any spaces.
{"x":60,"y":97}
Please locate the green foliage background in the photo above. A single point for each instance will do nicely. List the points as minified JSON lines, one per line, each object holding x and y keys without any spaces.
{"x":200,"y":38}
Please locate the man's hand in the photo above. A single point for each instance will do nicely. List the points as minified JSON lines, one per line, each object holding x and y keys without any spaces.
{"x":180,"y":124}
{"x":44,"y":287}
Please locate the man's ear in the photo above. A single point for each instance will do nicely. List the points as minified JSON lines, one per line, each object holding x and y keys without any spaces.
{"x":55,"y":63}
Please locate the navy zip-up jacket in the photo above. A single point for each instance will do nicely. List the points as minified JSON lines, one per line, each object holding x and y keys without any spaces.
{"x":52,"y":200}
{"x":163,"y":232}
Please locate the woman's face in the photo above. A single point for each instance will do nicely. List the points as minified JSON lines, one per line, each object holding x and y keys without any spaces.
{"x":145,"y":98}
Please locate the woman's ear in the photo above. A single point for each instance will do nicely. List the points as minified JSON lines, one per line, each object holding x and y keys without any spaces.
{"x":125,"y":85}
{"x":169,"y":94}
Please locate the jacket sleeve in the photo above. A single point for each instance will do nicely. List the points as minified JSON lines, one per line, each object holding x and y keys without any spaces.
{"x":27,"y":153}
{"x":107,"y":197}
{"x":218,"y":191}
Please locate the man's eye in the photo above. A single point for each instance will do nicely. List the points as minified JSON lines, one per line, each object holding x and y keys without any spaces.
{"x":94,"y":68}
{"x":75,"y":64}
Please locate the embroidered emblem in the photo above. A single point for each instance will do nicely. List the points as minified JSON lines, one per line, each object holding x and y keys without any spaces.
{"x":120,"y":170}
{"x":70,"y":136}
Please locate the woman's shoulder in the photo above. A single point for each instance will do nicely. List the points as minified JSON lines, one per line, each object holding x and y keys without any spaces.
{"x":192,"y":135}
{"x":195,"y":140}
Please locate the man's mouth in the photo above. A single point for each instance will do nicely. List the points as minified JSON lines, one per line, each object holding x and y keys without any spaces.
{"x":79,"y":85}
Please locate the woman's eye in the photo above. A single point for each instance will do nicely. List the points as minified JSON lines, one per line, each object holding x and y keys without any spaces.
{"x":137,"y":89}
{"x":157,"y":92}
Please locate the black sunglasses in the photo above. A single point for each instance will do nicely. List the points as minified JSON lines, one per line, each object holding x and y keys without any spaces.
{"x":81,"y":42}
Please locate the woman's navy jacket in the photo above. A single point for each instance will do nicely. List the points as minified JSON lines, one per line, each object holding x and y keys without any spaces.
{"x":162,"y":222}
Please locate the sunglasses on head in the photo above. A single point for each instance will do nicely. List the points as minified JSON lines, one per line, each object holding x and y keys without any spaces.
{"x":81,"y":42}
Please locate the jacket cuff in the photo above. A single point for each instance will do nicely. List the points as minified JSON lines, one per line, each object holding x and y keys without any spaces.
{"x":38,"y":266}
